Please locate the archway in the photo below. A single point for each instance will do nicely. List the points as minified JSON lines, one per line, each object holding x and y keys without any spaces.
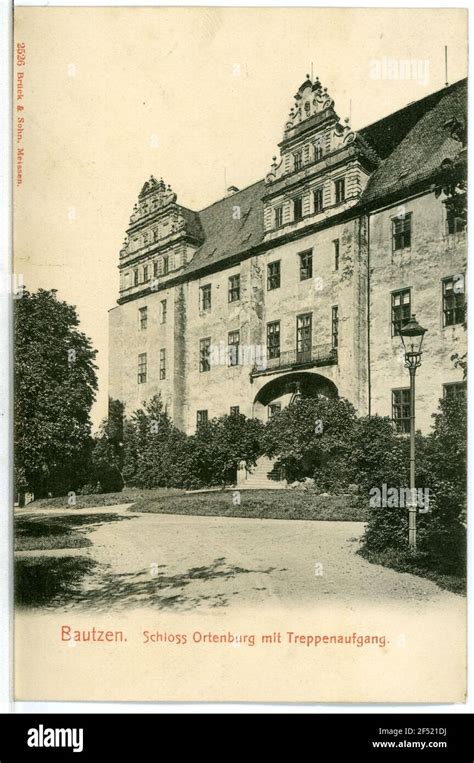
{"x":278,"y":392}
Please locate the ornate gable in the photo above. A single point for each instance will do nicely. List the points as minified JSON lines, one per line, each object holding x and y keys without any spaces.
{"x":161,"y":239}
{"x":324,"y":164}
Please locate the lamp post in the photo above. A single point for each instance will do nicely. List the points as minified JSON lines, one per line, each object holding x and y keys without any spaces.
{"x":412,"y":339}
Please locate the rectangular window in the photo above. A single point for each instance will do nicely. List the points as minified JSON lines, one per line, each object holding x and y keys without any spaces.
{"x":306,"y":265}
{"x":298,"y":160}
{"x":163,"y":310}
{"x":204,"y":354}
{"x":335,"y":327}
{"x":166,"y":265}
{"x":304,"y":337}
{"x":143,"y":315}
{"x":155,"y":269}
{"x":454,"y":223}
{"x":162,"y":363}
{"x":135,"y":277}
{"x":201,"y":417}
{"x":340,"y":189}
{"x":401,"y":232}
{"x":142,"y":368}
{"x":318,"y":200}
{"x":298,"y":208}
{"x":273,"y":275}
{"x":401,"y":409}
{"x":453,"y":300}
{"x":205,"y":297}
{"x":233,"y":345}
{"x":401,"y":310}
{"x":273,"y":339}
{"x":234,"y":410}
{"x":318,"y":150}
{"x":278,"y":217}
{"x":145,"y":274}
{"x":234,"y":288}
{"x":273,"y":409}
{"x":335,"y":244}
{"x":455,"y":389}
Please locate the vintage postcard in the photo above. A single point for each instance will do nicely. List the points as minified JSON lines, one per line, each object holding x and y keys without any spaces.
{"x":240,"y":259}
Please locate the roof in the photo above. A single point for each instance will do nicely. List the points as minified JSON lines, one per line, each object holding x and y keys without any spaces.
{"x":411,"y":143}
{"x":193,"y":223}
{"x":230,"y":226}
{"x":418,"y":140}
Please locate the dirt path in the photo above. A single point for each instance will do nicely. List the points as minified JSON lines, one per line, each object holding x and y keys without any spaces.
{"x":187,"y":562}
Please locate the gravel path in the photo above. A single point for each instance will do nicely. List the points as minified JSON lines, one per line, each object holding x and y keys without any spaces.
{"x":188,"y":562}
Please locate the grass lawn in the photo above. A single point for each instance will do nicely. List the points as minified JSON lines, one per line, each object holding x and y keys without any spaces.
{"x":33,"y":534}
{"x":43,"y":533}
{"x":44,"y":580}
{"x":404,"y":562}
{"x":129,"y":495}
{"x":256,"y":504}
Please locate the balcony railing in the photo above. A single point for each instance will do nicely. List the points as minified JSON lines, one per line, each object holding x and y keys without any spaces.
{"x":319,"y":355}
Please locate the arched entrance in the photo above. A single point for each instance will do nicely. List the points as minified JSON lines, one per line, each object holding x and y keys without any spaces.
{"x":277,"y":393}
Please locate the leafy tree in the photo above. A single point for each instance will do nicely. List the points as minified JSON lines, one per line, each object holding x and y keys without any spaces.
{"x":158,"y":454}
{"x":311,"y":437}
{"x":107,"y":454}
{"x":441,"y":468}
{"x":155,"y":451}
{"x":452,"y":174}
{"x":219,"y":446}
{"x":55,"y":383}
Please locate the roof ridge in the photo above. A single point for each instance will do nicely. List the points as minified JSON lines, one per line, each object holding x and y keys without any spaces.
{"x":232,"y":196}
{"x":413,"y":103}
{"x":367,"y":127}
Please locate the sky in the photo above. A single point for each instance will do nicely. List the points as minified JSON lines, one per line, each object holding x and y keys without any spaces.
{"x":198,"y":96}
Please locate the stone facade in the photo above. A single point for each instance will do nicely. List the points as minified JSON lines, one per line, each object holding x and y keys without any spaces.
{"x":300,"y":281}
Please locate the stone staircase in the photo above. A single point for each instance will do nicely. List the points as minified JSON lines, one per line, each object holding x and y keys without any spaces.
{"x":265,"y":475}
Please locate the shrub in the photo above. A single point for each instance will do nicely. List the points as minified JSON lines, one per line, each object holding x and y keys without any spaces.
{"x":218,"y":447}
{"x":157,"y":454}
{"x":311,"y":438}
{"x":441,"y":461}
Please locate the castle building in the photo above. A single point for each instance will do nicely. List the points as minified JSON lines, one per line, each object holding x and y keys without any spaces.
{"x":301,"y":282}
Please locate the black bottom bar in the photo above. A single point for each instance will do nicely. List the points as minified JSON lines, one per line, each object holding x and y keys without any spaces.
{"x":158,"y":736}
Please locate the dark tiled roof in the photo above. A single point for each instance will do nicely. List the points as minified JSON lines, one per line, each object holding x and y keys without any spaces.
{"x":193,"y":223}
{"x":411,"y":143}
{"x":418,"y":140}
{"x":225,"y":234}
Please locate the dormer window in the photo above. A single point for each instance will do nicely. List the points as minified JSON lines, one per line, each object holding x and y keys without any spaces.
{"x":298,"y":160}
{"x":318,"y":200}
{"x":166,"y":265}
{"x":318,"y":150}
{"x":340,"y":189}
{"x":298,"y":208}
{"x":278,"y":217}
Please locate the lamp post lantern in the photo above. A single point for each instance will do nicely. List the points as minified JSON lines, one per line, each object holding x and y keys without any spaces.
{"x":412,"y":339}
